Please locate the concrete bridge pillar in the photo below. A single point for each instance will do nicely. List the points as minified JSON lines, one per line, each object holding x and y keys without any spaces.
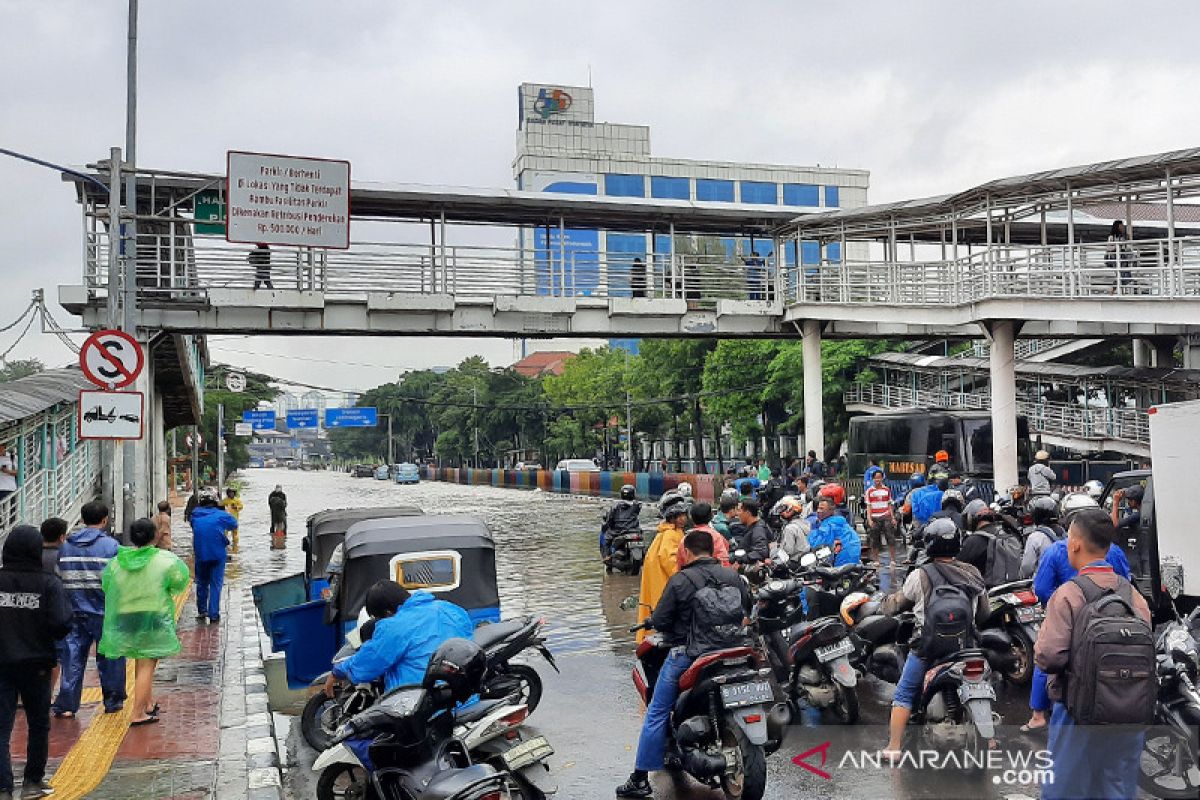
{"x":1143,"y":354}
{"x":814,"y":416}
{"x":1164,"y":352}
{"x":1004,"y":404}
{"x":1191,"y":351}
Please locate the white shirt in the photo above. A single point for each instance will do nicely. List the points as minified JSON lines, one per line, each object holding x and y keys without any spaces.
{"x":8,"y":483}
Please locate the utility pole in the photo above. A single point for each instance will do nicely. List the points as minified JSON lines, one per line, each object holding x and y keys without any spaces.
{"x":389,"y":447}
{"x":220,"y":450}
{"x":114,"y":451}
{"x":475,"y":414}
{"x":628,"y":430}
{"x":195,"y":458}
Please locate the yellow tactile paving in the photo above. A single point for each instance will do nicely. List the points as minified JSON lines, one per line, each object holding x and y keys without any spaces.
{"x":92,"y":755}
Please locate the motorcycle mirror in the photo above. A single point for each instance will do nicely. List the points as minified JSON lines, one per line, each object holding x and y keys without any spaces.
{"x":781,"y":557}
{"x":807,"y":560}
{"x":824,"y":552}
{"x":739,"y":553}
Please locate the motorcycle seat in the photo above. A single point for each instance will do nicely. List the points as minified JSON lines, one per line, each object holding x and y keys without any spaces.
{"x":477,"y":711}
{"x":689,"y":678}
{"x":487,"y":635}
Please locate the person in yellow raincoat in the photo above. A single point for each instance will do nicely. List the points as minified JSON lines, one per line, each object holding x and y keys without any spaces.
{"x":661,"y":558}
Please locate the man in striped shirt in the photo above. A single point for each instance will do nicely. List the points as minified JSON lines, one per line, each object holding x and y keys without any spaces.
{"x":881,"y":525}
{"x":81,"y":560}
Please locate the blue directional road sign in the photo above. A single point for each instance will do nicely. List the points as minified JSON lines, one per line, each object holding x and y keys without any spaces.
{"x":261,"y":420}
{"x":302,"y":418}
{"x":351,"y":417}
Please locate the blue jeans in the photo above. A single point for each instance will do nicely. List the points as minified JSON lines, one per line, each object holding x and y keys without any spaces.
{"x":912,"y":682}
{"x":210,"y":577}
{"x":85,"y":632}
{"x":1091,"y":763}
{"x":1039,"y":698}
{"x":652,"y":744}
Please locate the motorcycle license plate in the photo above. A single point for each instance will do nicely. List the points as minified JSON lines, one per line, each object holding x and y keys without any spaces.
{"x":531,"y":752}
{"x":831,"y":651}
{"x":1030,"y":613}
{"x":976,"y":690}
{"x":747,"y":694}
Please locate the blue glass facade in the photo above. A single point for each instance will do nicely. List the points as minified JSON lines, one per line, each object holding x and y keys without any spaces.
{"x":831,"y":197}
{"x":760,"y":192}
{"x":670,"y":188}
{"x":616,"y":185}
{"x":714,"y":190}
{"x":802,"y":194}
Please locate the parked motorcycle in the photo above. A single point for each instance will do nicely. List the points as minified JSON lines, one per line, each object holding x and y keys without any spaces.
{"x":406,"y":747}
{"x":725,"y":717}
{"x":956,"y":706}
{"x":1170,"y":762}
{"x":501,"y":641}
{"x":1016,"y":611}
{"x":626,"y":552}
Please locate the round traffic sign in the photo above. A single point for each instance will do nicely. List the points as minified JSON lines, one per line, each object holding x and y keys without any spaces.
{"x":235,"y":382}
{"x":111,"y":359}
{"x":199,"y":440}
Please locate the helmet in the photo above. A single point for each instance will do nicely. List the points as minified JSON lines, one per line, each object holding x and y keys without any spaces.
{"x":850,"y":604}
{"x":916,"y":480}
{"x":684,"y":488}
{"x":953,"y":497}
{"x":941,"y":455}
{"x":1094,"y":489}
{"x":835,"y":492}
{"x":730,"y":495}
{"x":675,"y":507}
{"x":1076,"y":501}
{"x":1017,"y":493}
{"x":1041,"y":455}
{"x":972,"y":511}
{"x":208,"y":495}
{"x":457,"y":665}
{"x":1043,"y":510}
{"x":628,"y":492}
{"x":1134,"y":493}
{"x":787,"y":503}
{"x":814,"y":489}
{"x":942,"y":538}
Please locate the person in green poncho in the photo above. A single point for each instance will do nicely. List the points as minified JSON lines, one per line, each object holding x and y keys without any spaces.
{"x":140,"y":587}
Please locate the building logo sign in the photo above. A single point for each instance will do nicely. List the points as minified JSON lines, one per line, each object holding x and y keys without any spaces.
{"x":550,"y":102}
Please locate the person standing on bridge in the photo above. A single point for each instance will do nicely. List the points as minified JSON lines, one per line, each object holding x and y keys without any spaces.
{"x":637,"y":279}
{"x":260,"y":259}
{"x":141,"y":586}
{"x":34,"y":613}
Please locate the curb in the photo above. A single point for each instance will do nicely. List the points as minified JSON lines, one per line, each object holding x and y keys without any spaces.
{"x":249,"y":764}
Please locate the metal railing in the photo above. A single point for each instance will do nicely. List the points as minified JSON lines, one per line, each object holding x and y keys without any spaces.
{"x":177,"y":264}
{"x":58,"y":472}
{"x":1062,"y":419}
{"x":1167,"y":268}
{"x":1022,"y":348}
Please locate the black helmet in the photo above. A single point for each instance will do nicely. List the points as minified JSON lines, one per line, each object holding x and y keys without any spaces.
{"x":942,"y":538}
{"x":628,"y":492}
{"x":457,"y":665}
{"x":953,"y":497}
{"x":971,"y":514}
{"x":1043,"y":510}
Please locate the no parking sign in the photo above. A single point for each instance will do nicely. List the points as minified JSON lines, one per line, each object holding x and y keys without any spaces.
{"x":111,"y":359}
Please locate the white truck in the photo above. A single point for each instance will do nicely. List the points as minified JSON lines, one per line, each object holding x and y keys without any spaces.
{"x":1169,"y":508}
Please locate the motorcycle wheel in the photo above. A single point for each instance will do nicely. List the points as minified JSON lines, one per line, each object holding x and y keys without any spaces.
{"x":845,"y":704}
{"x":1156,"y":768}
{"x":521,"y":680}
{"x":1022,"y":648}
{"x":320,"y":720}
{"x":750,"y":782}
{"x":344,"y":782}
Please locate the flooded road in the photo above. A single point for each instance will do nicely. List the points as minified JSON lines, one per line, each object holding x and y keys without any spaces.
{"x":547,"y":559}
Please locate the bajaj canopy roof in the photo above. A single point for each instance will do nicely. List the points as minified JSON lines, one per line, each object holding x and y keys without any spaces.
{"x":393,"y":535}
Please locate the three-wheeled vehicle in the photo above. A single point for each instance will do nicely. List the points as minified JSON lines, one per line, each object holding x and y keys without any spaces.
{"x":326,"y":530}
{"x":451,"y":556}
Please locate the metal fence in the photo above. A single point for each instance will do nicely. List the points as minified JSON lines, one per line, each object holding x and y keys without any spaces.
{"x":1062,"y":419}
{"x":57,"y":471}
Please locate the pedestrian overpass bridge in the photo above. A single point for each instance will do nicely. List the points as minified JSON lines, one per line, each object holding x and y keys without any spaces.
{"x":1024,"y":256}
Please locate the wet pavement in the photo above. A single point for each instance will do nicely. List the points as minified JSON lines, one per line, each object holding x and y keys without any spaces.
{"x":547,"y":562}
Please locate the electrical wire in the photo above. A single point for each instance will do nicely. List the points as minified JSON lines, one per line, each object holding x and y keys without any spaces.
{"x":28,"y":325}
{"x":18,"y":320}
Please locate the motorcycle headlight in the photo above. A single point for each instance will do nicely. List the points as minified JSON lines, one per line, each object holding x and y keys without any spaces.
{"x":1179,"y":640}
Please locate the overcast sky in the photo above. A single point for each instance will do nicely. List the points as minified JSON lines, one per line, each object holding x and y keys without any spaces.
{"x":931,"y":97}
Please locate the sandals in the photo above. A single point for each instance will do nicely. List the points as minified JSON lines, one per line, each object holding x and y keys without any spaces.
{"x":64,"y":715}
{"x":1027,"y":728}
{"x":146,"y":721}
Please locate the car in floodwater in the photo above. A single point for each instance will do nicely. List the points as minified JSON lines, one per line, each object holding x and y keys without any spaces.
{"x":408,"y":473}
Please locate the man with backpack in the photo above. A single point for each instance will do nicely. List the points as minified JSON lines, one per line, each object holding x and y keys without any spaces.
{"x":949,"y":601}
{"x":991,"y":549}
{"x":1046,"y":531}
{"x":1097,"y":645}
{"x":703,"y":609}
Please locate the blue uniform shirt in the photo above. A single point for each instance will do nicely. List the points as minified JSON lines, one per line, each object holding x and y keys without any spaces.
{"x":1055,"y":569}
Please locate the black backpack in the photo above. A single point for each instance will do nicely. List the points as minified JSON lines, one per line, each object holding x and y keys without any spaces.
{"x":1111,"y":677}
{"x":717,"y":615}
{"x":1004,"y":553}
{"x":949,"y":624}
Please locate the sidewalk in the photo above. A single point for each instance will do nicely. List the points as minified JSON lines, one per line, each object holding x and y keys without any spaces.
{"x":215,"y":736}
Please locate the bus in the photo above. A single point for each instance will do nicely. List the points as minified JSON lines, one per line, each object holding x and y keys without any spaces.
{"x":904,"y":442}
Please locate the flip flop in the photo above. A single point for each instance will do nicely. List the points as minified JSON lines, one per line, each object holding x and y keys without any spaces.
{"x":146,"y":721}
{"x":154,"y":711}
{"x":1027,"y":728}
{"x":64,"y":714}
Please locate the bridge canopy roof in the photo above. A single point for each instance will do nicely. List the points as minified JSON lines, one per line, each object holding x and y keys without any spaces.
{"x":1141,"y":176}
{"x":35,"y":393}
{"x":1187,"y":379}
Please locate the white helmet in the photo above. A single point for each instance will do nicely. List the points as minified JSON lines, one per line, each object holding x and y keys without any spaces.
{"x":684,"y":488}
{"x":1076,"y":501}
{"x":1094,"y":489}
{"x":787,"y":503}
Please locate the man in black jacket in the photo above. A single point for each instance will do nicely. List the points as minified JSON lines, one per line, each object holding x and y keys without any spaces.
{"x":672,"y":617}
{"x":34,"y":614}
{"x":756,"y":541}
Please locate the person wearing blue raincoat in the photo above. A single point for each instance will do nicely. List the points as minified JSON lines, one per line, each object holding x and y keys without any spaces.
{"x":409,"y":627}
{"x":209,"y":542}
{"x":828,"y":529}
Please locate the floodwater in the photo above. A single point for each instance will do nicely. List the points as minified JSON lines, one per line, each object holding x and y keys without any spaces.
{"x":548,"y":564}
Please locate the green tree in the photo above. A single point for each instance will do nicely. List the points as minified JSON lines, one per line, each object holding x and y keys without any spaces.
{"x":258,"y":390}
{"x":22,"y":368}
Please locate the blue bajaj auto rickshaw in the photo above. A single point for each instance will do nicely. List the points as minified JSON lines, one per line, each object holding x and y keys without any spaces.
{"x":451,"y":556}
{"x":326,"y":530}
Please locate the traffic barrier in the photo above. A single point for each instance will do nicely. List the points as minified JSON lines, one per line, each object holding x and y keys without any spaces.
{"x":649,"y":485}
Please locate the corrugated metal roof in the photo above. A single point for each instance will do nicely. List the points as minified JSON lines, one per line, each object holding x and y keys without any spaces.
{"x":27,"y":396}
{"x":1155,"y":376}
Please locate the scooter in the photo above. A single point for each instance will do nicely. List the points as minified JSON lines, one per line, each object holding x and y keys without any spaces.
{"x":626,"y":551}
{"x":721,"y":726}
{"x":1016,"y":611}
{"x":956,"y":706}
{"x":501,"y":641}
{"x":1170,"y":762}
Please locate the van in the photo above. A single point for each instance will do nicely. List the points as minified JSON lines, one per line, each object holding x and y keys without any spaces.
{"x":577,"y":465}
